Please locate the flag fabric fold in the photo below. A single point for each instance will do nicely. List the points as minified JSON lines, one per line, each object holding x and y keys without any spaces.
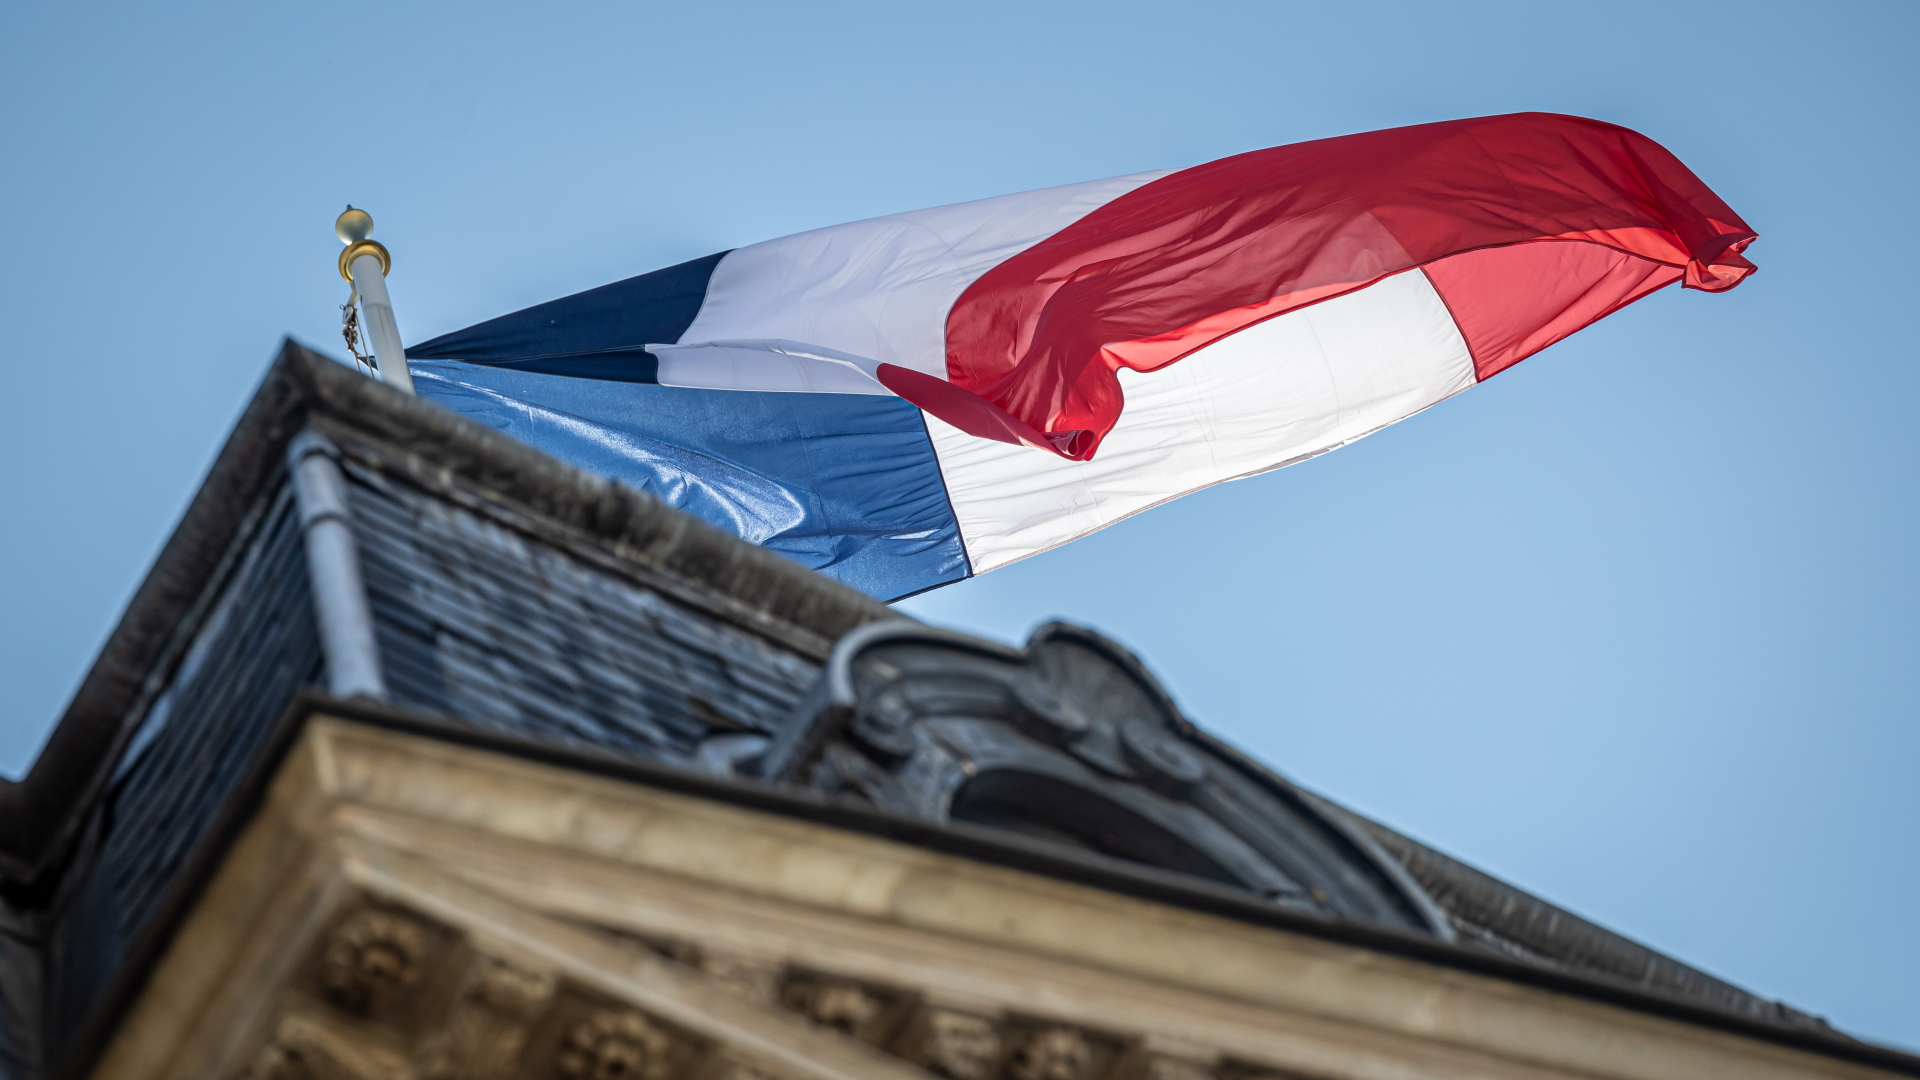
{"x":1062,"y":358}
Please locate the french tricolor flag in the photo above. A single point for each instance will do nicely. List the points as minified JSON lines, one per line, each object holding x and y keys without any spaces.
{"x":906,"y":401}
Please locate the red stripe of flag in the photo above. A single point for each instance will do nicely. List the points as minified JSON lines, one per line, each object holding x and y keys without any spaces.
{"x":1184,"y":261}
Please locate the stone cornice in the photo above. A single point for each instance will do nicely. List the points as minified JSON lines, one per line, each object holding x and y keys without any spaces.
{"x":545,"y":866}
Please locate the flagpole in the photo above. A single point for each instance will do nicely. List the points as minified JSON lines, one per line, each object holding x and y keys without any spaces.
{"x":365,"y":264}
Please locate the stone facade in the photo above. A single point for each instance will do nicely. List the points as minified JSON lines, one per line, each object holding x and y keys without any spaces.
{"x":405,"y":908}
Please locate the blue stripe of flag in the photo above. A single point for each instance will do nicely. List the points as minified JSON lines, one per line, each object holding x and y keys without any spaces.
{"x":844,"y":484}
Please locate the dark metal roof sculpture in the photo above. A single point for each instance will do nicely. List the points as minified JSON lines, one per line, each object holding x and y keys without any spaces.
{"x":1071,"y":741}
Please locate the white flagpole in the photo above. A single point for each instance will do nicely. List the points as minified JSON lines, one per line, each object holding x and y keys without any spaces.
{"x":365,"y":264}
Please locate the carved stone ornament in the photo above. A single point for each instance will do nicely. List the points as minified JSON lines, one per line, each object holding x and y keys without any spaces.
{"x":753,"y":980}
{"x":1071,"y":741}
{"x":843,"y":1006}
{"x":490,"y":1025}
{"x":306,"y":1048}
{"x":870,"y":1013}
{"x":492,"y":1018}
{"x":1053,"y":1053}
{"x":371,"y":956}
{"x":511,"y":994}
{"x":617,"y":1046}
{"x":960,"y":1046}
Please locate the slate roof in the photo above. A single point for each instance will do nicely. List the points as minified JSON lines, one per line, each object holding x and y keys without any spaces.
{"x":523,"y":605}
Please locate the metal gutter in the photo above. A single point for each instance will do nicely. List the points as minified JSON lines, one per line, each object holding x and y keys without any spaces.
{"x":333,"y":570}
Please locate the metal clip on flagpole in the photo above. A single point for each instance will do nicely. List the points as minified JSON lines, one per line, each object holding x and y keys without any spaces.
{"x":365,"y":264}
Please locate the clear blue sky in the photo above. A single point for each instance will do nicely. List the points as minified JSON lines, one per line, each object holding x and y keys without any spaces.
{"x":1632,"y":625}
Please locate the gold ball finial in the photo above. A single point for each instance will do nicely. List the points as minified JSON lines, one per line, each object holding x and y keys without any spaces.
{"x":353,"y":225}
